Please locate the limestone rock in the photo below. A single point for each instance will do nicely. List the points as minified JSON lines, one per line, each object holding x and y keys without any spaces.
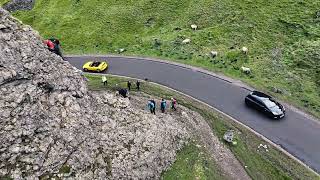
{"x":51,"y":124}
{"x":15,"y":5}
{"x":276,"y":90}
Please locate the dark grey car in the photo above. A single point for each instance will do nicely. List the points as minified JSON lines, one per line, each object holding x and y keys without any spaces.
{"x":265,"y":104}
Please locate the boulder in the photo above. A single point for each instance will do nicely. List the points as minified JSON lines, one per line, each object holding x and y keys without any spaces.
{"x":228,"y":136}
{"x":16,"y":5}
{"x":276,"y":90}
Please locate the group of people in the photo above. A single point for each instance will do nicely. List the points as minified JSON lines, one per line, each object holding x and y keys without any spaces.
{"x":163,"y":105}
{"x":53,"y":45}
{"x":151,"y":103}
{"x":122,"y":91}
{"x":105,"y":83}
{"x":125,"y":92}
{"x":137,"y":85}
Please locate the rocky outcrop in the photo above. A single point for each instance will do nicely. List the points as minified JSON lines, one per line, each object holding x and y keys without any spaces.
{"x":52,"y":126}
{"x":199,"y":129}
{"x":15,"y":5}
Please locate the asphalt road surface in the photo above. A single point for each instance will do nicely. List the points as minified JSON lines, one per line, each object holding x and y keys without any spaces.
{"x":296,"y":133}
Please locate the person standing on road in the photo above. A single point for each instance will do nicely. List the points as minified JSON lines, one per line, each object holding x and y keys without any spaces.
{"x":129,"y":85}
{"x":138,"y":85}
{"x":163,"y":105}
{"x":173,"y":104}
{"x":104,"y":80}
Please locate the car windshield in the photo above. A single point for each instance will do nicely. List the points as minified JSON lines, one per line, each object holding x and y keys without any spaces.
{"x":95,"y":64}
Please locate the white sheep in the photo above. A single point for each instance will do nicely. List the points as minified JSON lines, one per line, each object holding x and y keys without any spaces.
{"x":194,"y":27}
{"x":186,"y":41}
{"x":246,"y":70}
{"x":244,"y":50}
{"x":214,"y":54}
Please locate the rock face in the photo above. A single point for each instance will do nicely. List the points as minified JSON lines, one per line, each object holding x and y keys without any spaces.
{"x":15,"y":5}
{"x":52,"y":126}
{"x":199,"y":129}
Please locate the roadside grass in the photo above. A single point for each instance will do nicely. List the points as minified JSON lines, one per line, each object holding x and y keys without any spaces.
{"x":193,"y":162}
{"x":259,"y":163}
{"x":283,"y":37}
{"x":2,"y":2}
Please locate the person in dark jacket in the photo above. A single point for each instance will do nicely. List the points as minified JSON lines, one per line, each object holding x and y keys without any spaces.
{"x":154,"y":106}
{"x":138,"y":85}
{"x":163,"y":105}
{"x":123,"y":92}
{"x":57,"y":48}
{"x":129,"y":85}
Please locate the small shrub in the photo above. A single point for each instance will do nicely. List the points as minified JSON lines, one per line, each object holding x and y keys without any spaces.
{"x":65,"y":169}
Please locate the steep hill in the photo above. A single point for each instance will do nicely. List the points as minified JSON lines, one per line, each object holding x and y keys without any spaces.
{"x":282,"y":37}
{"x":52,"y":126}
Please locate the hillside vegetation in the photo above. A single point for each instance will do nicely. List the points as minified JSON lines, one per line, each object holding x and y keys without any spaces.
{"x":283,"y":37}
{"x":3,"y":2}
{"x":194,"y":162}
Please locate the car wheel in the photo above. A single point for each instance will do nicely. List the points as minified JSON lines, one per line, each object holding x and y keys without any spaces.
{"x":85,"y":69}
{"x":247,"y":103}
{"x":98,"y":70}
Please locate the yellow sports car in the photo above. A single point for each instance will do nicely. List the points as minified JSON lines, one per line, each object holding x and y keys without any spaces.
{"x":96,"y":66}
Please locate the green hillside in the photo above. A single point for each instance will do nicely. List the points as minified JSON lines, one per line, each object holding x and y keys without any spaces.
{"x":3,"y":2}
{"x":283,"y":37}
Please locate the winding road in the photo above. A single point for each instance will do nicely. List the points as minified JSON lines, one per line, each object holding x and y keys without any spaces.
{"x":296,"y":133}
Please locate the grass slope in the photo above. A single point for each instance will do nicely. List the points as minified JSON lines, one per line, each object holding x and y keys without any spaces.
{"x":260,"y":164}
{"x":2,"y":2}
{"x":193,"y":162}
{"x":283,"y":36}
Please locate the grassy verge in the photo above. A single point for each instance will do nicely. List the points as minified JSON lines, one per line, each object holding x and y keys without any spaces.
{"x":283,"y":37}
{"x":2,"y":2}
{"x":259,"y":163}
{"x":193,"y":162}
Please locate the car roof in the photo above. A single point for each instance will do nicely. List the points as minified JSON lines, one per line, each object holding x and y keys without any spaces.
{"x":260,"y":94}
{"x":262,"y":97}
